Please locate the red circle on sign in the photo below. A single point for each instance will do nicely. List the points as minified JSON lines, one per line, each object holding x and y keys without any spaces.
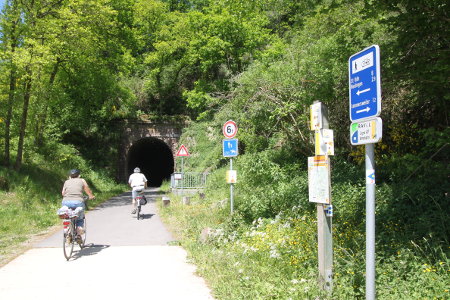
{"x":229,"y":129}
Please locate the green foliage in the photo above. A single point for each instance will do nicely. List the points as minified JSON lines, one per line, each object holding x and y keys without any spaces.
{"x":422,"y":59}
{"x":288,"y":185}
{"x":275,"y":256}
{"x":196,"y":52}
{"x":204,"y":141}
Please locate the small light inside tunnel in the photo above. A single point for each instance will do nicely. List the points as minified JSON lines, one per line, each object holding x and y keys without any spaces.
{"x":155,"y":159}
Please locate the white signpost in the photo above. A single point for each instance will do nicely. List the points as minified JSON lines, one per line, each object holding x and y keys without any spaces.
{"x":315,"y":111}
{"x":364,"y":108}
{"x":230,"y":149}
{"x":182,"y":152}
{"x":319,"y":179}
{"x":324,"y":142}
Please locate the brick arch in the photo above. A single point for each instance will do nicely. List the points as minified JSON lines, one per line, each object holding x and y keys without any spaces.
{"x":134,"y":132}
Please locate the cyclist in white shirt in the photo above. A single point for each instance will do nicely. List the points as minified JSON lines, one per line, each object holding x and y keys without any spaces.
{"x":138,"y":183}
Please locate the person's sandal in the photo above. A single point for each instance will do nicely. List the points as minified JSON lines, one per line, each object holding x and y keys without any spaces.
{"x":133,"y":211}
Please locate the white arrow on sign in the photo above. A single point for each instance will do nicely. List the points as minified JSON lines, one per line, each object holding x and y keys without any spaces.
{"x":363,"y":91}
{"x":363,"y":110}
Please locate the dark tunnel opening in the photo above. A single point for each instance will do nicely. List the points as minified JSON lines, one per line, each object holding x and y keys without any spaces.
{"x":153,"y":157}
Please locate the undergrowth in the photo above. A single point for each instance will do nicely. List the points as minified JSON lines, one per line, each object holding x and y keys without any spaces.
{"x":267,"y":248}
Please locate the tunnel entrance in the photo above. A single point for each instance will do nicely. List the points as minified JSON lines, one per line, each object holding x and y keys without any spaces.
{"x":153,"y":157}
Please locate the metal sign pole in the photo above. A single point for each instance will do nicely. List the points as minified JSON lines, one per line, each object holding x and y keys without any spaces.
{"x":324,"y":226}
{"x":231,"y":187}
{"x":370,"y":222}
{"x":319,"y":123}
{"x":182,"y":174}
{"x":364,"y":109}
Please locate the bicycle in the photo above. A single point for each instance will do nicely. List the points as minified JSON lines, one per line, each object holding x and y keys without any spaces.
{"x":140,"y":200}
{"x":70,"y":234}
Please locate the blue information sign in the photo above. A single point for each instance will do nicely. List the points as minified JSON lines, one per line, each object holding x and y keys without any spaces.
{"x":365,"y":84}
{"x":230,"y":148}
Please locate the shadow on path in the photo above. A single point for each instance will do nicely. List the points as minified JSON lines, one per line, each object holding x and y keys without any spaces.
{"x":88,"y":250}
{"x":125,"y":199}
{"x":145,"y":216}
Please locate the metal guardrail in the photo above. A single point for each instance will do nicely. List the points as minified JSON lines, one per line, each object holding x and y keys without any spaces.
{"x":188,"y":180}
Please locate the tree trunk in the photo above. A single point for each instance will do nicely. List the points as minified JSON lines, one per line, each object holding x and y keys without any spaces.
{"x":11,"y":95}
{"x":12,"y":89}
{"x":40,"y":124}
{"x":23,"y":124}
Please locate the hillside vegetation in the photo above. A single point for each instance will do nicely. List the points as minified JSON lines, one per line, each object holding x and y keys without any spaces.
{"x":72,"y":70}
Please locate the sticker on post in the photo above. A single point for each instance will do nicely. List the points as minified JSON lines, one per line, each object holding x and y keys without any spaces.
{"x":231,"y":176}
{"x":370,"y":176}
{"x":328,"y":210}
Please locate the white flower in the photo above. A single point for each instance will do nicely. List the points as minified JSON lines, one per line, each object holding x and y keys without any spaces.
{"x":294,"y":281}
{"x":274,"y":253}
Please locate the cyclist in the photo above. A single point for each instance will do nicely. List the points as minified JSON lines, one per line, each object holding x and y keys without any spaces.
{"x":138,"y":183}
{"x":72,"y":193}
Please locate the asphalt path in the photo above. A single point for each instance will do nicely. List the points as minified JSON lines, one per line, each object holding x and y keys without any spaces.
{"x":124,"y":257}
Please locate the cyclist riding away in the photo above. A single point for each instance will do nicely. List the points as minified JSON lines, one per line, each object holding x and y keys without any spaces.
{"x":138,"y":183}
{"x":72,"y":193}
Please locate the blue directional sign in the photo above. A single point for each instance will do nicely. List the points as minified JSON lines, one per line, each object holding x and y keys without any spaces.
{"x":230,"y":148}
{"x":365,"y":84}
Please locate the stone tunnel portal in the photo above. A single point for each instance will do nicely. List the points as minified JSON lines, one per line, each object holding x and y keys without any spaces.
{"x":153,"y":157}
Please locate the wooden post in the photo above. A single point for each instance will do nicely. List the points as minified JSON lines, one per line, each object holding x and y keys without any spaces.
{"x":166,"y":201}
{"x":186,"y":200}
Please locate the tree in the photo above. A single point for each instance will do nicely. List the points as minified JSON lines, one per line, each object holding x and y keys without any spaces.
{"x":12,"y":28}
{"x":66,"y":55}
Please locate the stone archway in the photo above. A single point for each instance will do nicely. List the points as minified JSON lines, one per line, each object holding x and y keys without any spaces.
{"x":153,"y":157}
{"x":150,"y":145}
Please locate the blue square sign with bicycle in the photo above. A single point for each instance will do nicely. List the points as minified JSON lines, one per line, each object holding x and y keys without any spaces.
{"x":230,"y":148}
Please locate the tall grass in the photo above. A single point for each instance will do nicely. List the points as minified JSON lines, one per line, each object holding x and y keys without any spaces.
{"x":267,"y":249}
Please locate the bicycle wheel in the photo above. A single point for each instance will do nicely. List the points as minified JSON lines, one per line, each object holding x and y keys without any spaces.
{"x":68,"y":241}
{"x":138,"y":211}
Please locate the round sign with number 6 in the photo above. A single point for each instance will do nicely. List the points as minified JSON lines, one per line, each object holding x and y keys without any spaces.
{"x":229,"y":129}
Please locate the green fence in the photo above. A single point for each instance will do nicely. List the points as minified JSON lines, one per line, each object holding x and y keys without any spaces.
{"x":188,"y":180}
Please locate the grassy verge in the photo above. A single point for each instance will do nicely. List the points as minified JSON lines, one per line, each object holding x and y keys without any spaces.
{"x":275,"y":257}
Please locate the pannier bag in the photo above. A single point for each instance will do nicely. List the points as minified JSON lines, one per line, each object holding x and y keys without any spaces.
{"x":143,"y":200}
{"x":67,"y":213}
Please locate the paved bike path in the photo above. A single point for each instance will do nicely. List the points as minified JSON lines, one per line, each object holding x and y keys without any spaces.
{"x":124,"y":258}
